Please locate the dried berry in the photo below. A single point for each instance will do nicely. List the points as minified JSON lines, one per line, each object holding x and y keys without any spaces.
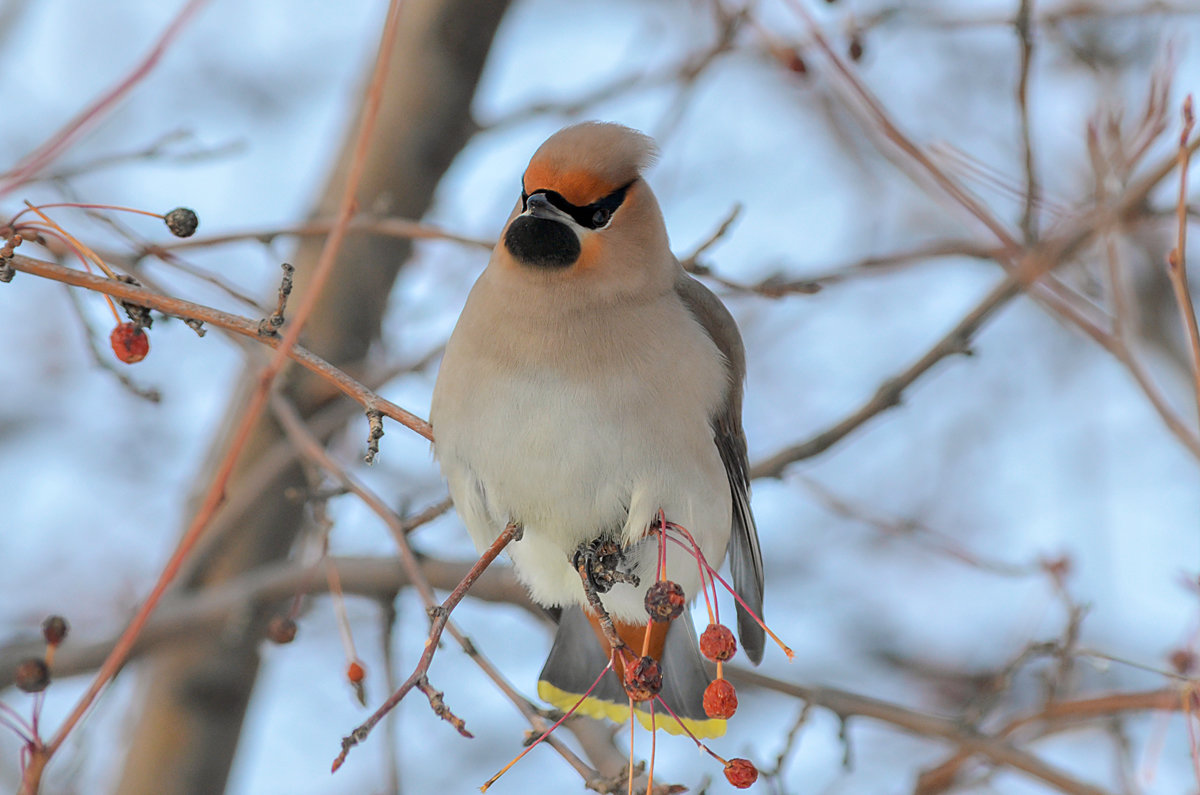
{"x":32,"y":675}
{"x":720,"y":699}
{"x":54,"y":629}
{"x":797,"y":64}
{"x":355,"y":672}
{"x":856,"y":48}
{"x":281,"y":630}
{"x":129,"y":343}
{"x":643,"y":679}
{"x":1183,"y":661}
{"x":182,"y":222}
{"x":717,"y":643}
{"x":1058,"y":568}
{"x":664,"y":601}
{"x":741,"y":773}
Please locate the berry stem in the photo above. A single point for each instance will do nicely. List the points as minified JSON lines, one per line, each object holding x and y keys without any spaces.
{"x":718,"y":578}
{"x":710,"y":600}
{"x":632,"y":732}
{"x":549,"y":731}
{"x":87,"y":206}
{"x":688,"y":731}
{"x":701,"y":564}
{"x":653,"y":750}
{"x":11,"y":719}
{"x":73,"y":241}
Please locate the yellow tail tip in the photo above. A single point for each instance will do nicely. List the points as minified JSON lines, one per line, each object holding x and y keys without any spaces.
{"x":619,"y":713}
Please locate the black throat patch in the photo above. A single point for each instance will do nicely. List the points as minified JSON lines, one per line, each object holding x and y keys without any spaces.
{"x":542,"y":242}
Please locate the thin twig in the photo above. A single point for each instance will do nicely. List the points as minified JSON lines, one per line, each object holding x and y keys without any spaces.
{"x":438,"y":704}
{"x":390,"y":227}
{"x":1024,"y":26}
{"x":216,"y":492}
{"x":1029,"y":269}
{"x":440,"y":616}
{"x":183,"y":615}
{"x":35,"y":161}
{"x":940,"y":778}
{"x":995,"y":749}
{"x":884,"y":123}
{"x":271,"y":323}
{"x":778,"y":286}
{"x":938,"y":542}
{"x":1177,"y":258}
{"x":237,"y":324}
{"x":690,"y":261}
{"x":955,"y":341}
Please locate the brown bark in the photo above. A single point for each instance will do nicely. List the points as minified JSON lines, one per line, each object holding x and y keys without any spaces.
{"x":195,"y":693}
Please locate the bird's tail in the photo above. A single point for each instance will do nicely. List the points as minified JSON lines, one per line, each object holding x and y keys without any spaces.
{"x":580,"y":653}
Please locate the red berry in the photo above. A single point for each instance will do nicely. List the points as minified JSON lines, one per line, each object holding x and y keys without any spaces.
{"x":54,"y":629}
{"x":664,"y":601}
{"x":720,"y":699}
{"x":643,"y":679}
{"x":355,"y":672}
{"x":717,"y":643}
{"x":32,"y":675}
{"x":741,"y":773}
{"x":129,"y":343}
{"x":281,"y":630}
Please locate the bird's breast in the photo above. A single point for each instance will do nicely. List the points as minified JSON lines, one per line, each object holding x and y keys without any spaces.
{"x":563,"y":424}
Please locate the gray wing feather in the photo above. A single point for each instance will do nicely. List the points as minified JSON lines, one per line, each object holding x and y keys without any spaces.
{"x":577,"y":658}
{"x":745,"y":557}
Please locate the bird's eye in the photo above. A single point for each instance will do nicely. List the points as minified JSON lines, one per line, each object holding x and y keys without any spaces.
{"x":601,"y":217}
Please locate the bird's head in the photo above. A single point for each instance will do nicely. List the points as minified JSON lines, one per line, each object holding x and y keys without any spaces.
{"x":585,"y":211}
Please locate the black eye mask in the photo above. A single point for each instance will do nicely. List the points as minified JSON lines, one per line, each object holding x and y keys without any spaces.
{"x":590,"y":216}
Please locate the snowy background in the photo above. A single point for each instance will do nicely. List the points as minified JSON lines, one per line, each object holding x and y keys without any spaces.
{"x":1040,"y":446}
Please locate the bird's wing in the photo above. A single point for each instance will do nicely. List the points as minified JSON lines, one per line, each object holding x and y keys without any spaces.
{"x":745,"y":557}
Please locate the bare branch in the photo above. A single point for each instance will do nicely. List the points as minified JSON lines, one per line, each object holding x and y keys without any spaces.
{"x":236,"y":323}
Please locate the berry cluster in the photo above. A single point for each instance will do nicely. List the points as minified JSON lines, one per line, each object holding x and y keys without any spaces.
{"x":665,"y":601}
{"x":33,"y":674}
{"x":129,"y":341}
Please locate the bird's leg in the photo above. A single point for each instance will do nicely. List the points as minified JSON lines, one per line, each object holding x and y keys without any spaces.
{"x":600,"y":562}
{"x":585,"y":562}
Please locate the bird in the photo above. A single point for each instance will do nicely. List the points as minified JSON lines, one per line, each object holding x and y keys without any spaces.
{"x":590,"y":391}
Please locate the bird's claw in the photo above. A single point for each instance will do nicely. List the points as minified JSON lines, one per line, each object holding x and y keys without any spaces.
{"x":600,"y":563}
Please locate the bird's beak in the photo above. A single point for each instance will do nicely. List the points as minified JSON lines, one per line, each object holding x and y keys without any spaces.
{"x":538,"y":206}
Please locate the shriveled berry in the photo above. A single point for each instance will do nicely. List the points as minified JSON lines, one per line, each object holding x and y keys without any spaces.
{"x":741,"y":773}
{"x":182,"y":222}
{"x":32,"y":675}
{"x":129,"y":343}
{"x":856,"y":48}
{"x":281,"y":630}
{"x":1183,"y":661}
{"x":643,"y":679}
{"x":796,"y":63}
{"x":355,"y":672}
{"x":54,"y":629}
{"x":717,"y":643}
{"x":720,"y":699}
{"x":664,"y":601}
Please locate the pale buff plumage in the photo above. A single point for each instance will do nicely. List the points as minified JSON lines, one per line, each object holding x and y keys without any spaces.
{"x":579,"y":398}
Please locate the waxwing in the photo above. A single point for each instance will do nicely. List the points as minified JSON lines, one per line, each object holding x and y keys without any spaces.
{"x":591,"y":390}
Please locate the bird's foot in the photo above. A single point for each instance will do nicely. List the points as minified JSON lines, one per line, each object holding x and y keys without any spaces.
{"x":602,"y":564}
